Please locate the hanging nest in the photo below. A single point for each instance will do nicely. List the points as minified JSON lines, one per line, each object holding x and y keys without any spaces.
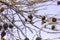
{"x":10,"y":26}
{"x":53,"y":27}
{"x":30,"y":16}
{"x":3,"y":33}
{"x":1,"y":9}
{"x":26,"y":38}
{"x":38,"y":38}
{"x":0,"y":27}
{"x":5,"y":25}
{"x":54,"y":19}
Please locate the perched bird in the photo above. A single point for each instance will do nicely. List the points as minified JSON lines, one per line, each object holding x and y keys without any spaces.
{"x":5,"y":26}
{"x":3,"y":33}
{"x":1,"y":9}
{"x":54,"y":19}
{"x":10,"y":26}
{"x":43,"y":17}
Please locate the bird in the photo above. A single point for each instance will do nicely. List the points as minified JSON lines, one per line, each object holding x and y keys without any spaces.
{"x":5,"y":26}
{"x":1,"y":9}
{"x":10,"y":26}
{"x":54,"y":19}
{"x":3,"y":33}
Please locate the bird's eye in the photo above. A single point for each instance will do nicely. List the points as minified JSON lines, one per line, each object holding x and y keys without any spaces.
{"x":5,"y":26}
